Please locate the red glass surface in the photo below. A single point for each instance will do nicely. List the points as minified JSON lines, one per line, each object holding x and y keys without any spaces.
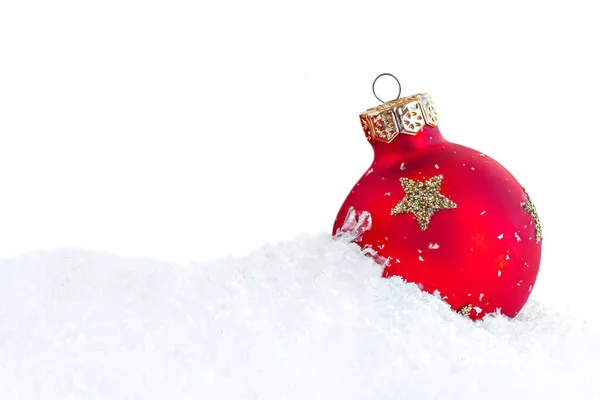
{"x":483,"y":253}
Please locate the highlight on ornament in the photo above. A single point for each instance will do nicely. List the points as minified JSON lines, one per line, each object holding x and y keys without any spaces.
{"x":441,"y":215}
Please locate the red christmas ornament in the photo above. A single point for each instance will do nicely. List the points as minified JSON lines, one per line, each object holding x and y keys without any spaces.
{"x":441,"y":215}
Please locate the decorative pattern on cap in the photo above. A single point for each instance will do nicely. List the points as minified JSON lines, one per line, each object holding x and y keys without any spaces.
{"x":407,"y":115}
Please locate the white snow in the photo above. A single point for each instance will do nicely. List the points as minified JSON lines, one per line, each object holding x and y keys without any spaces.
{"x":305,"y":319}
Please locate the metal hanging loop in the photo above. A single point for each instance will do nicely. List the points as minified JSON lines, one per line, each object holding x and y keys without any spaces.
{"x":384,"y":74}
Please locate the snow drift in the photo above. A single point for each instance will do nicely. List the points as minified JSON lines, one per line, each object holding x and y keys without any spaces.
{"x":306,"y":319}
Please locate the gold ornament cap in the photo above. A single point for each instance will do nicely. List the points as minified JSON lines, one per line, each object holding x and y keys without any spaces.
{"x":406,"y":115}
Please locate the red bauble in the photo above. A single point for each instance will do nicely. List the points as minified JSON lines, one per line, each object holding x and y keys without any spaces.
{"x":443,"y":216}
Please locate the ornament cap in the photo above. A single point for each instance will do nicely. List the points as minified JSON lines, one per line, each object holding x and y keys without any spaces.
{"x":406,"y":115}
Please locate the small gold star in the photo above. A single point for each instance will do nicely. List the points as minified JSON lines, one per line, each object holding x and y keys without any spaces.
{"x":423,"y":199}
{"x":466,"y":310}
{"x":530,"y":208}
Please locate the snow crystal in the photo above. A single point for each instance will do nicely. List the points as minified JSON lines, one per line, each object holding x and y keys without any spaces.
{"x":517,"y":237}
{"x":355,"y":225}
{"x":483,"y":212}
{"x":499,"y":273}
{"x":402,"y":167}
{"x":437,"y":166}
{"x":500,"y":236}
{"x":434,"y":246}
{"x":305,"y":319}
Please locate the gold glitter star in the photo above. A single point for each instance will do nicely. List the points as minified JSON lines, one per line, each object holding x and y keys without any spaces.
{"x":423,"y":199}
{"x":466,"y":310}
{"x":530,"y":208}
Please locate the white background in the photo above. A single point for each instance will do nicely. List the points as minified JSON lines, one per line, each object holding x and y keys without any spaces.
{"x":191,"y":130}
